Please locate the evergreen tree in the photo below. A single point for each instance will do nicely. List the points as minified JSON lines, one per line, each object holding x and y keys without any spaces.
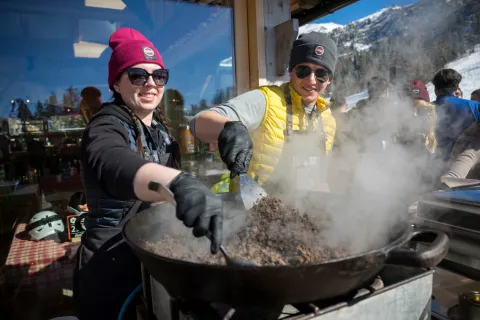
{"x":39,"y":112}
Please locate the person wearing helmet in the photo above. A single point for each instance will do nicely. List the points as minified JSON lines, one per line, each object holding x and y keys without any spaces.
{"x":270,"y":132}
{"x":125,"y":146}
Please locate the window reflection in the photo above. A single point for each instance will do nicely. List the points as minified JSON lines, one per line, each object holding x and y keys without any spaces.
{"x":55,"y":51}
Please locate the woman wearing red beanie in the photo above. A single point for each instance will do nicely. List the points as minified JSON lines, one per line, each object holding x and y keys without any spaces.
{"x":125,"y":146}
{"x":424,"y":116}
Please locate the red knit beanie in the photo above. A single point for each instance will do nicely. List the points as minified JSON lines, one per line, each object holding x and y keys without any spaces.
{"x":418,"y":90}
{"x":130,"y":47}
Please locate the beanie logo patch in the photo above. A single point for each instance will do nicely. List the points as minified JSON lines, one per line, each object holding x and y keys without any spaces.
{"x":319,"y":50}
{"x":148,"y":53}
{"x":416,"y":91}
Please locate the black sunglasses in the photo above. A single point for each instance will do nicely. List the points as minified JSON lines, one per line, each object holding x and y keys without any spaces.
{"x":139,"y":77}
{"x":302,"y":72}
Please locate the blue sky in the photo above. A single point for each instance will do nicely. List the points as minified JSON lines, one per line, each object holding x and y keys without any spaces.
{"x":192,"y":39}
{"x":361,"y":9}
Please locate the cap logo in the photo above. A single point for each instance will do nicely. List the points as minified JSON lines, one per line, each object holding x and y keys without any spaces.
{"x":416,"y":91}
{"x":148,"y":53}
{"x":319,"y":50}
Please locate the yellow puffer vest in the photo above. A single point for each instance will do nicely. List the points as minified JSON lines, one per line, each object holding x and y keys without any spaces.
{"x":269,"y":138}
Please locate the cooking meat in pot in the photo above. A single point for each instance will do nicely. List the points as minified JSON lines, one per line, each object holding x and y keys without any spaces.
{"x":276,"y":234}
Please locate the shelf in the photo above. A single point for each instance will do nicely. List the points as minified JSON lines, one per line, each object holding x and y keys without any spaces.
{"x":51,"y":133}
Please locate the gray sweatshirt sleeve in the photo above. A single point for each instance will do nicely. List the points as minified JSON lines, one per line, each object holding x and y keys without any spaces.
{"x":466,"y":153}
{"x":249,"y":108}
{"x":463,"y":163}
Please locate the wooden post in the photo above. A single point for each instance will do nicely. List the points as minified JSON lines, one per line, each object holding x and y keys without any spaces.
{"x":256,"y":43}
{"x":285,"y":34}
{"x":271,"y":33}
{"x":242,"y":55}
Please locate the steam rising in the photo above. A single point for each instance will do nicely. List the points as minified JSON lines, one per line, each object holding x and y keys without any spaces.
{"x":383,"y":178}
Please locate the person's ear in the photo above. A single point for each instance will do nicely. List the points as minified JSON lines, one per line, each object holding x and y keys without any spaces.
{"x":116,"y":87}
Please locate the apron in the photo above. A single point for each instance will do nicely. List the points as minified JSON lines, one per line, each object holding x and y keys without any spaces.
{"x":302,"y":164}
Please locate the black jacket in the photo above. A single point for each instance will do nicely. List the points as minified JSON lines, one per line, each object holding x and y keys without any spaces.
{"x":110,"y":161}
{"x":107,"y":270}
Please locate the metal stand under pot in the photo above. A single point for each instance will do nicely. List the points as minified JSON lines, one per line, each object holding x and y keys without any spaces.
{"x":398,"y":293}
{"x":457,"y":281}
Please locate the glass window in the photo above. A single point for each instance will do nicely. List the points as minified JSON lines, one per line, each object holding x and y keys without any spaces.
{"x":53,"y":53}
{"x":53,"y":70}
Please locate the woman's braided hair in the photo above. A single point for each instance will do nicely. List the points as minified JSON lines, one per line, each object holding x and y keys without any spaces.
{"x":158,"y":116}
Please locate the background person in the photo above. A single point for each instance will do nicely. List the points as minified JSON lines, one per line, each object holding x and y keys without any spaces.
{"x":90,"y":103}
{"x":475,"y":96}
{"x":458,"y":93}
{"x":454,"y":115}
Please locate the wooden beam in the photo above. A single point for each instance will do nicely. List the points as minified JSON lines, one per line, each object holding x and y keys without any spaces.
{"x":308,"y":4}
{"x":241,"y":49}
{"x":297,"y":5}
{"x":256,"y":43}
{"x":285,"y":34}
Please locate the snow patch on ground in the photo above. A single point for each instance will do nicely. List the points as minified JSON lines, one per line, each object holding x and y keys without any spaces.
{"x":361,"y":47}
{"x":354,"y":98}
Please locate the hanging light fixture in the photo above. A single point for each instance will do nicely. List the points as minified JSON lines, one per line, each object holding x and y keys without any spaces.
{"x":106,"y":4}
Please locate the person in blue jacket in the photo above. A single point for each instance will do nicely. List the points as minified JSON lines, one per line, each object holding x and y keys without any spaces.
{"x":454,"y":115}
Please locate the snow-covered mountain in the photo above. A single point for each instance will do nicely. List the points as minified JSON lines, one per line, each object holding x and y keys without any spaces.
{"x":417,"y":39}
{"x":422,"y":17}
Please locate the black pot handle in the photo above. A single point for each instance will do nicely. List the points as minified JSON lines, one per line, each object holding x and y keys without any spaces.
{"x":423,"y":258}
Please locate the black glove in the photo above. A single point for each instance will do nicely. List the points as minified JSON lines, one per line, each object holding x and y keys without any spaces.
{"x":198,"y":207}
{"x":236,"y":147}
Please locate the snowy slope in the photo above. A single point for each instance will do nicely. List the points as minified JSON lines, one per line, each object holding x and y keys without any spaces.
{"x":394,"y":21}
{"x":362,"y":31}
{"x":469,"y":68}
{"x":375,"y":15}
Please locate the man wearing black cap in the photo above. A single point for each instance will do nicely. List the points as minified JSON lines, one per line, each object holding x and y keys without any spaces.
{"x":454,"y":115}
{"x":254,"y":129}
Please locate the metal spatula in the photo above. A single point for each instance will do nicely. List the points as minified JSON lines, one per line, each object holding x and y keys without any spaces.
{"x":250,"y":191}
{"x":168,"y":195}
